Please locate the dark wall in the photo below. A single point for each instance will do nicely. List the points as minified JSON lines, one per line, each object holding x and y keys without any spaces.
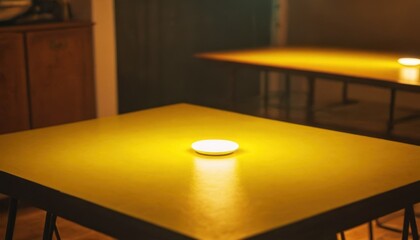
{"x":371,"y":24}
{"x":156,"y":41}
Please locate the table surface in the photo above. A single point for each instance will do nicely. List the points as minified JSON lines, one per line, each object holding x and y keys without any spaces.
{"x":351,"y":63}
{"x":140,"y":164}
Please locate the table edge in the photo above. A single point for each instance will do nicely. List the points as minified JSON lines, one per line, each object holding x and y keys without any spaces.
{"x":109,"y":222}
{"x":372,"y":208}
{"x":89,"y":214}
{"x":311,"y":73}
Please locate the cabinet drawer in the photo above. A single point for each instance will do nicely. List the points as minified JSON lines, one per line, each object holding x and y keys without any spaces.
{"x":60,"y":76}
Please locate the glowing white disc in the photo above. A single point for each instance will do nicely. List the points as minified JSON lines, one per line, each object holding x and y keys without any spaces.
{"x":215,"y":147}
{"x":411,"y":62}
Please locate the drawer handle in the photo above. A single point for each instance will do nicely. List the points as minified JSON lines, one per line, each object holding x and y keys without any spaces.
{"x":56,"y":45}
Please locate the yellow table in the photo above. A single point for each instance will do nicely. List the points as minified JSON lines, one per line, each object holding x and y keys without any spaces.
{"x":134,"y":176}
{"x":349,"y":66}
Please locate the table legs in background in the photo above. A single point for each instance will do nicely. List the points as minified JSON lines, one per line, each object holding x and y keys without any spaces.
{"x":309,"y":113}
{"x":287,"y":94}
{"x":233,"y":80}
{"x":310,"y":99}
{"x":344,"y":92}
{"x":266,"y":82}
{"x":390,"y":125}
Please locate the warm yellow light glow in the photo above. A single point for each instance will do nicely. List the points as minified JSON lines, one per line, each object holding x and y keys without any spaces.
{"x":409,"y":74}
{"x":215,"y":147}
{"x":216,"y":185}
{"x":409,"y":61}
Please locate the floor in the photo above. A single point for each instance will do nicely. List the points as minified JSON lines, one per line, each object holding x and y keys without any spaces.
{"x":30,"y":222}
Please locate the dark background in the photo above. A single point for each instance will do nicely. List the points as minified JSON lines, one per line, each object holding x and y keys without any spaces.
{"x":391,"y":25}
{"x":156,"y":41}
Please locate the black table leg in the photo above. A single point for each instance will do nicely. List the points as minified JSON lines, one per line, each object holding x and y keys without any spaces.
{"x":342,"y":236}
{"x":410,"y":221}
{"x":406,"y":226}
{"x":391,"y":111}
{"x":344,"y":94}
{"x":11,"y":218}
{"x":310,"y":100}
{"x":266,"y":92}
{"x":57,"y":233}
{"x":413,"y":224}
{"x":379,"y":224}
{"x":233,"y":88}
{"x":287,"y":94}
{"x":49,"y":226}
{"x":370,"y":226}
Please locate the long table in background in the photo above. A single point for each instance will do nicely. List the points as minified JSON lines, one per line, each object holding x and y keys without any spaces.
{"x":348,"y":66}
{"x":134,"y":176}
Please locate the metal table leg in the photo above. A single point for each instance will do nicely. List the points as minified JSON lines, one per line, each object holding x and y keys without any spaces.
{"x":266,"y":88}
{"x":344,"y":94}
{"x":57,"y":233}
{"x":410,"y":221}
{"x":49,"y":226}
{"x":233,"y":88}
{"x":391,"y":111}
{"x":310,"y":100}
{"x":11,"y":218}
{"x":413,"y":224}
{"x":287,"y":94}
{"x":383,"y":226}
{"x":370,"y":226}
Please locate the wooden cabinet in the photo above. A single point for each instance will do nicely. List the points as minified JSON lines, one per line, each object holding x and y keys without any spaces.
{"x":46,"y":75}
{"x":14,"y":111}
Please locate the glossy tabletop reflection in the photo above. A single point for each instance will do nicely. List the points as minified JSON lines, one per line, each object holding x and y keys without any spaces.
{"x":351,"y":63}
{"x":140,"y":164}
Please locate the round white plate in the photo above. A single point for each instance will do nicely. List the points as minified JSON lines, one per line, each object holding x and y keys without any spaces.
{"x":409,"y":62}
{"x":215,"y":147}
